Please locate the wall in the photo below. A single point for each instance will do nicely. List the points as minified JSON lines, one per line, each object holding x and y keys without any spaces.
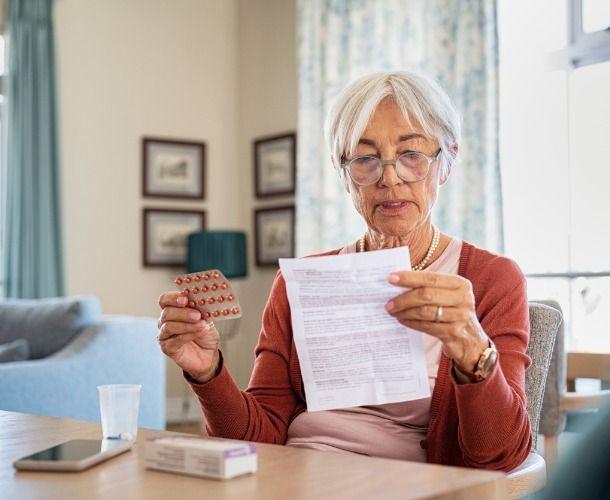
{"x":126,"y":69}
{"x":192,"y":69}
{"x":267,"y":97}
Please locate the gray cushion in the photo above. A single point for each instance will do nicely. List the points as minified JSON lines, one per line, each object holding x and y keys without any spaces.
{"x":17,"y":350}
{"x":552,"y":419}
{"x":544,"y":323}
{"x":46,"y":324}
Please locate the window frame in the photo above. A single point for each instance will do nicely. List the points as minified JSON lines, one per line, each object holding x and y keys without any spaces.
{"x":583,"y":48}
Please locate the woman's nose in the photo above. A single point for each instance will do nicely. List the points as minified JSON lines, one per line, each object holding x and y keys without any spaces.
{"x":389,"y":177}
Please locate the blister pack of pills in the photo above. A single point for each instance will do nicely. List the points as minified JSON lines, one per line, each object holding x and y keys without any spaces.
{"x":211,"y":294}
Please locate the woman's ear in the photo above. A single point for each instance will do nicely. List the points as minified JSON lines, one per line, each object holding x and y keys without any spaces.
{"x":452,"y":156}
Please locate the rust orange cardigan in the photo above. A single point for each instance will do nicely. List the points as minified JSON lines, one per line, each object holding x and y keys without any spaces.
{"x":482,"y":425}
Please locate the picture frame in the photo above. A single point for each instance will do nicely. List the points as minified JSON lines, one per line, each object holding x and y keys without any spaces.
{"x":274,"y":234}
{"x":164,"y":233}
{"x":173,"y":168}
{"x":275,"y":165}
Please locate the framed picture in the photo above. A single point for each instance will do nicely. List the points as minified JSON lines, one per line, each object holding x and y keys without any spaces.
{"x":274,"y":234}
{"x":165,"y":233}
{"x":275,"y":165}
{"x":173,"y":169}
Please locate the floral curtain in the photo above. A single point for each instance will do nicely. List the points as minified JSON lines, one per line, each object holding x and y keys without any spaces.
{"x":454,"y":42}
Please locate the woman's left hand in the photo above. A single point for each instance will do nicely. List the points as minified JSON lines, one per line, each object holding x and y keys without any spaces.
{"x":441,"y":305}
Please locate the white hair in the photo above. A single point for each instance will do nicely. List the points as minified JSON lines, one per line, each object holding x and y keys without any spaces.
{"x":418,"y":97}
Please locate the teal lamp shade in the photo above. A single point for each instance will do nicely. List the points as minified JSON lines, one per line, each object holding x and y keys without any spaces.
{"x":224,"y":250}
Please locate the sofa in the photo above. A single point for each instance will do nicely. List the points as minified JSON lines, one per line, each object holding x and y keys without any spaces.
{"x":73,"y":348}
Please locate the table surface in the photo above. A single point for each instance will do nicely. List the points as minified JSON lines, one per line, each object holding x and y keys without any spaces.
{"x":283,"y":472}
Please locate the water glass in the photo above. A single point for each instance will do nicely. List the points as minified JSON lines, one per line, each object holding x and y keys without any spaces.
{"x":119,"y":405}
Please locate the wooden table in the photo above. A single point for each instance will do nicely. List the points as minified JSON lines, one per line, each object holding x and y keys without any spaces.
{"x":284,"y":472}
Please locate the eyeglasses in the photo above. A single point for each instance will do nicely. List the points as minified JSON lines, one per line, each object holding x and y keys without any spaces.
{"x":411,"y":166}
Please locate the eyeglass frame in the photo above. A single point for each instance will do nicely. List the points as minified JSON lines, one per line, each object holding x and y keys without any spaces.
{"x":430,"y":159}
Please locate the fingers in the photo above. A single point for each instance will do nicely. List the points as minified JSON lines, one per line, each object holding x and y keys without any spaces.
{"x":430,"y":314}
{"x":417,"y":279}
{"x":171,"y":329}
{"x":184,"y":314}
{"x":418,"y":308}
{"x":172,"y":345}
{"x":175,"y":299}
{"x":426,"y":296}
{"x":438,"y":330}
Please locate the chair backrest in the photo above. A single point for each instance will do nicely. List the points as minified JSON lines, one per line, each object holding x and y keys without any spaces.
{"x":552,"y":419}
{"x":544,"y":323}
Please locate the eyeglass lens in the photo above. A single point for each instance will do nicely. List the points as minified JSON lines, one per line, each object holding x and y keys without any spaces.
{"x":410,"y":167}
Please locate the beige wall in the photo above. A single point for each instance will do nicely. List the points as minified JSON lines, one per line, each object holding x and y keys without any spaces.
{"x":221,"y":71}
{"x":267,"y":104}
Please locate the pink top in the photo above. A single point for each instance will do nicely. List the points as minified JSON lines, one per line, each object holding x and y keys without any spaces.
{"x":392,"y":430}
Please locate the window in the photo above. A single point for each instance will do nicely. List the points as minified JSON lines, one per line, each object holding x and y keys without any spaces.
{"x":555,"y":156}
{"x":589,"y":33}
{"x":595,"y":15}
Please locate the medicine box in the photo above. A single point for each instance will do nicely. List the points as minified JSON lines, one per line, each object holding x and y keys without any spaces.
{"x":204,"y":457}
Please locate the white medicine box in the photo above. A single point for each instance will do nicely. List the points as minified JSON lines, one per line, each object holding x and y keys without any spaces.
{"x":204,"y":457}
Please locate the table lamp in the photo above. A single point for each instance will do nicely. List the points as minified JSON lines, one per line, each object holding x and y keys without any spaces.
{"x":224,"y":250}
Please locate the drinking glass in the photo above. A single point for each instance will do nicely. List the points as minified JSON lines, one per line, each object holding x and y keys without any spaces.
{"x":119,"y":405}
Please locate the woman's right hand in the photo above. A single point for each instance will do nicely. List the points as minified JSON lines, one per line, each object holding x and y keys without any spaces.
{"x":191,"y":342}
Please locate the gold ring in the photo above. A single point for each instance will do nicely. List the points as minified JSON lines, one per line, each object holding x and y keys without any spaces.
{"x":439,"y":314}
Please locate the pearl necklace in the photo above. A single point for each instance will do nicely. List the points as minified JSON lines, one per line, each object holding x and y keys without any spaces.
{"x":418,"y":267}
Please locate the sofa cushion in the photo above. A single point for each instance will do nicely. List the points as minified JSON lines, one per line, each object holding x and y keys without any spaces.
{"x":17,"y":350}
{"x":46,"y":324}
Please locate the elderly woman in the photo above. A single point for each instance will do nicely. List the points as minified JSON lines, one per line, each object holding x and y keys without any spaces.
{"x":394,"y":139}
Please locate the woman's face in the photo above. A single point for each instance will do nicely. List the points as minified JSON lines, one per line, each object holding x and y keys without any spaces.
{"x":391,"y":206}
